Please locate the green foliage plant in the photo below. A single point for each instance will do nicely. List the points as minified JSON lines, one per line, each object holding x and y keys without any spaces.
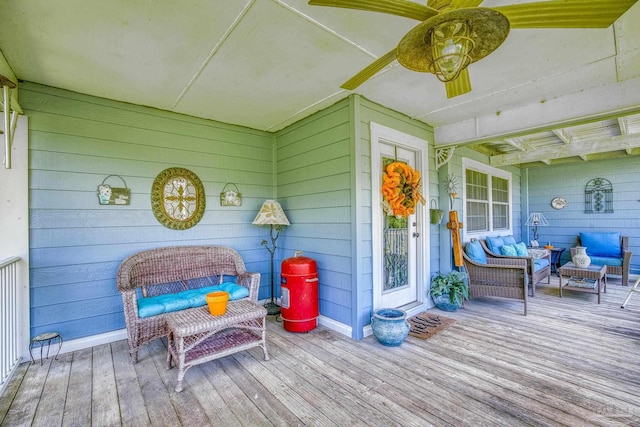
{"x":453,"y":283}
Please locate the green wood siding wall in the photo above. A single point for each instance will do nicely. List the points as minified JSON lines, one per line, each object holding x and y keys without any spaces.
{"x":569,"y":181}
{"x":454,"y":166}
{"x":314,"y":181}
{"x":77,"y":245}
{"x":371,"y":112}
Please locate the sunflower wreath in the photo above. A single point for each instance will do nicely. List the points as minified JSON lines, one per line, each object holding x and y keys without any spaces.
{"x":401,"y":189}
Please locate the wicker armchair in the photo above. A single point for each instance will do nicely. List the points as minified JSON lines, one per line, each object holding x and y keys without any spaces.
{"x":535,"y":276}
{"x":624,"y":257}
{"x":171,"y":270}
{"x":499,"y":277}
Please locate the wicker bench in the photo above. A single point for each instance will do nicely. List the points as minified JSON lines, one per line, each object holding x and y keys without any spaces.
{"x":172,"y":270}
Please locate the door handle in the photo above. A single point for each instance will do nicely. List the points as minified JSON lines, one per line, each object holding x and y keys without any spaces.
{"x":416,"y":234}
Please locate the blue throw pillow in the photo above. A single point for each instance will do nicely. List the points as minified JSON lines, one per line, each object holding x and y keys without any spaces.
{"x":521,"y":249}
{"x":475,"y":252}
{"x":508,"y":240}
{"x":508,"y":250}
{"x":494,"y":244}
{"x":602,"y":244}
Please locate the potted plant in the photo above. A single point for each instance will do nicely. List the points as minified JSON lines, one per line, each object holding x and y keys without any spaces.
{"x":449,"y":291}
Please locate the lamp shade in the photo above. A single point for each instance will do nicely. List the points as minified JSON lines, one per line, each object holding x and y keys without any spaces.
{"x":271,"y":213}
{"x":536,"y":219}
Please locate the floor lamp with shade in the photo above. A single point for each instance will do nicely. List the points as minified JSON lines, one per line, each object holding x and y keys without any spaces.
{"x":271,"y":214}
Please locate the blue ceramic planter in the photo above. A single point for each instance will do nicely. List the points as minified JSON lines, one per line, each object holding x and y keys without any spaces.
{"x":444,"y":303}
{"x":390,"y":326}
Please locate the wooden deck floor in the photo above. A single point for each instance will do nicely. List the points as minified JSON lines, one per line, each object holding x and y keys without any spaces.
{"x":570,"y":362}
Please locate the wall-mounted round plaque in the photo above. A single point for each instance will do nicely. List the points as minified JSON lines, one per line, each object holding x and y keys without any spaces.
{"x":558,"y":202}
{"x":177,"y":198}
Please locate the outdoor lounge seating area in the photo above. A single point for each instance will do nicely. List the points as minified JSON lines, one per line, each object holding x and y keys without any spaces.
{"x":157,"y":282}
{"x":492,"y":367}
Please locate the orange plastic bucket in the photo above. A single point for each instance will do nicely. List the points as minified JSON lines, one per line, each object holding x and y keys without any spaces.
{"x":217,"y":302}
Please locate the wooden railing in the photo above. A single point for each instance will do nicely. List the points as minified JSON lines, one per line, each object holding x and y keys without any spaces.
{"x":9,"y":353}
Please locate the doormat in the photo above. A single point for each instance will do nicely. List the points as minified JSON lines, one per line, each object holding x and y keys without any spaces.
{"x":426,"y":325}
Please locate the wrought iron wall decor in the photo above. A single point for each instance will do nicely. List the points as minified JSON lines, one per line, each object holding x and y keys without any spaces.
{"x":598,"y":196}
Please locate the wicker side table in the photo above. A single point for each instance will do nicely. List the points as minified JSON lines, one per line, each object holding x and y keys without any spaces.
{"x":195,"y":336}
{"x":580,"y":279}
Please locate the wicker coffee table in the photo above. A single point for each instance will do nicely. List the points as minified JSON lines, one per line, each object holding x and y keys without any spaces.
{"x":195,"y":336}
{"x":591,"y":279}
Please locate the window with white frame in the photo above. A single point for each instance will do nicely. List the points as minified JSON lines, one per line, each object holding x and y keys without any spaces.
{"x":487,"y":199}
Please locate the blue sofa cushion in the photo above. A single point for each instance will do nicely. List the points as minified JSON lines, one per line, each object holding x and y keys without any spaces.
{"x":521,"y":249}
{"x":540,"y":263}
{"x":508,"y":250}
{"x":166,"y":303}
{"x":509,"y":240}
{"x":603,"y":260}
{"x":475,"y":252}
{"x":494,"y":244}
{"x":602,"y":244}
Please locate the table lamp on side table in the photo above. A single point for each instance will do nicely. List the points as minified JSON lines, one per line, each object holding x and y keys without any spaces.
{"x":536,"y":220}
{"x":271,"y":214}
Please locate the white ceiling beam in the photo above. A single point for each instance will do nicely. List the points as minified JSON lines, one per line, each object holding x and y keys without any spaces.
{"x":589,"y":105}
{"x":517,"y":143}
{"x":564,"y":135}
{"x":581,"y":149}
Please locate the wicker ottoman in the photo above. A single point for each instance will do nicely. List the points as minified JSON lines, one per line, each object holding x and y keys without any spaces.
{"x":195,"y":336}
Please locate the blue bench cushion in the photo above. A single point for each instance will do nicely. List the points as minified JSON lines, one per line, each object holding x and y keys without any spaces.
{"x":475,"y":252}
{"x":152,"y":306}
{"x":602,"y":244}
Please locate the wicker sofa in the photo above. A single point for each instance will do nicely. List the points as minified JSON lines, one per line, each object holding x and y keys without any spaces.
{"x":169,"y":271}
{"x":495,"y":277}
{"x":537,"y":268}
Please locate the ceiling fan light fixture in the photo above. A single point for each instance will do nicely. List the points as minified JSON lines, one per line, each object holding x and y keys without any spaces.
{"x":451,"y":47}
{"x":478,"y":31}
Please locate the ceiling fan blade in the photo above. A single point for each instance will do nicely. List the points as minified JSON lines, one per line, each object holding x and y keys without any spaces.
{"x":459,"y":86}
{"x":405,"y":8}
{"x":457,"y":4}
{"x":370,"y":71}
{"x":565,"y":13}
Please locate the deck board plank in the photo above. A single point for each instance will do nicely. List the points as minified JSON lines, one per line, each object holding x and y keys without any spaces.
{"x":568,"y":362}
{"x":50,"y":409}
{"x":77,"y":407}
{"x":133,"y":411}
{"x":105,"y":410}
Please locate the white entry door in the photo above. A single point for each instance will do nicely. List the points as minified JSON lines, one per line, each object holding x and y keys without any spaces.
{"x":399,"y":244}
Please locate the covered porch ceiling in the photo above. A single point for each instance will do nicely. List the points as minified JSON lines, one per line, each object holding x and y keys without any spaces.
{"x":544,"y":96}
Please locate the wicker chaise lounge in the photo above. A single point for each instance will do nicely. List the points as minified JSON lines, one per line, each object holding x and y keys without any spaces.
{"x":496,"y":277}
{"x":171,"y":270}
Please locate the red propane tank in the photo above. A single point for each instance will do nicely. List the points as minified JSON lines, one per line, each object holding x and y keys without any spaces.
{"x":299,"y":293}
